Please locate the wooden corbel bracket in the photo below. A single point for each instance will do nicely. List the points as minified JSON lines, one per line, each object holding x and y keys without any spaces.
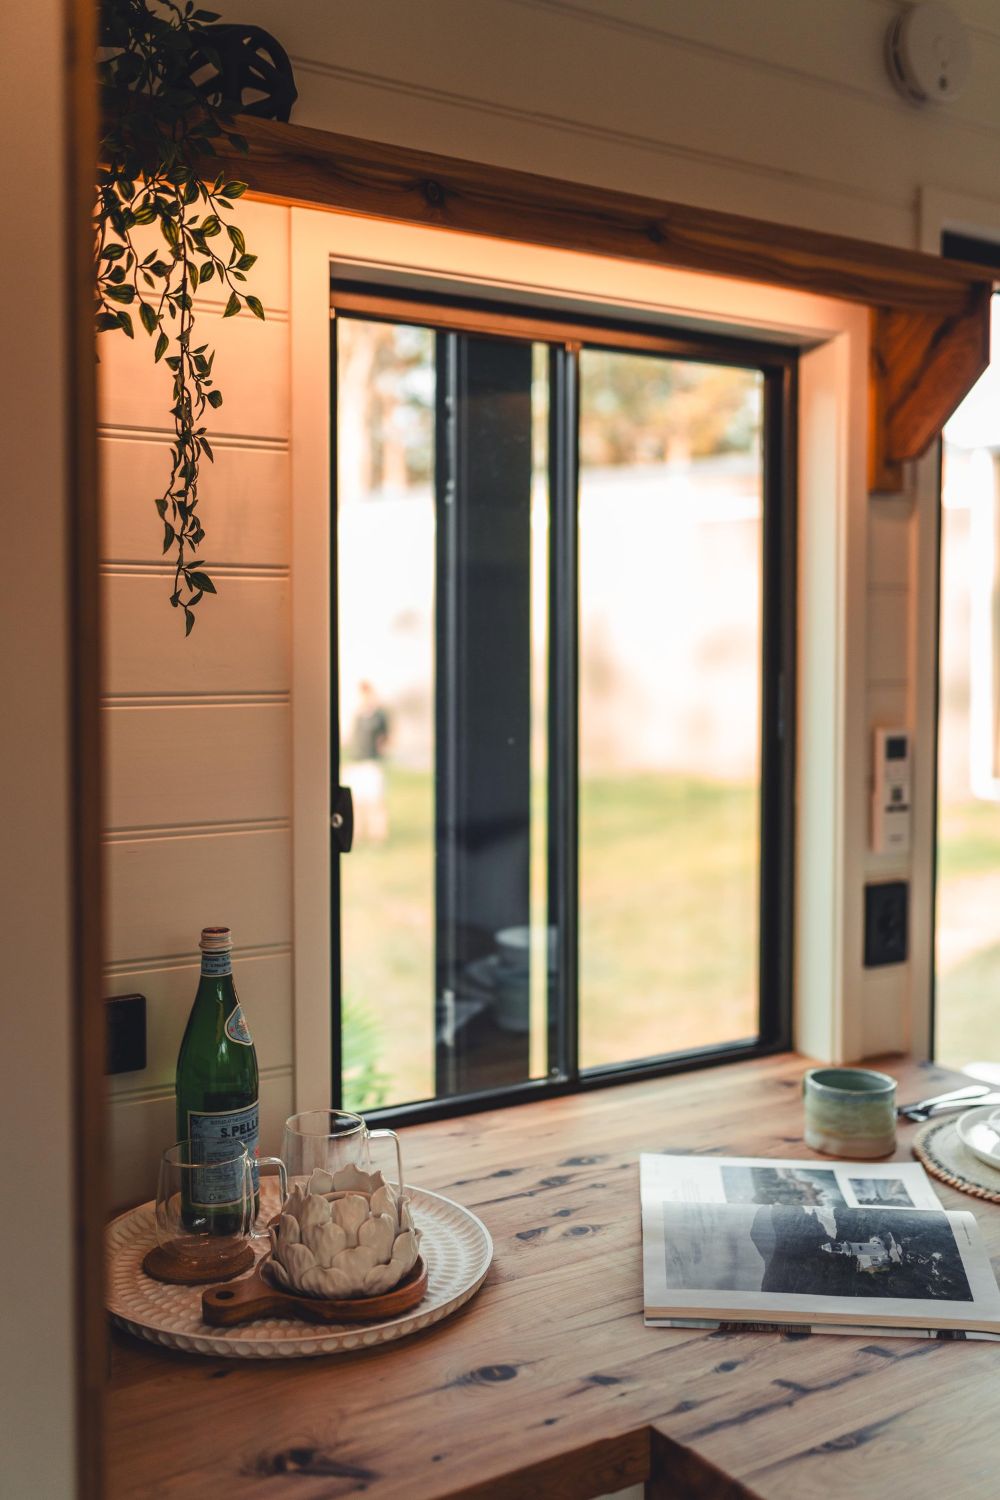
{"x":930,"y":317}
{"x":922,"y":365}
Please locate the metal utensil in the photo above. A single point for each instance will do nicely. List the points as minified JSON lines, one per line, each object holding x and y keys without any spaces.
{"x":923,"y":1108}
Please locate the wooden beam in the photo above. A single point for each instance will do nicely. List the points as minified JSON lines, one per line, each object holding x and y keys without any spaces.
{"x":930,"y":326}
{"x":315,"y":168}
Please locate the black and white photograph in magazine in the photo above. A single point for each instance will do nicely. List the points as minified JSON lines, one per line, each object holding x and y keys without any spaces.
{"x":887,"y":1192}
{"x":807,"y":1186}
{"x":817,"y":1252}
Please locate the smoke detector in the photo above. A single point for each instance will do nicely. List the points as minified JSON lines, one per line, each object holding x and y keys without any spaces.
{"x":928,"y":54}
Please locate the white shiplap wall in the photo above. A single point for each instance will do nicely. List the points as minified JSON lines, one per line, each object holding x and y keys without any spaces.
{"x":198,"y":730}
{"x":779,"y":109}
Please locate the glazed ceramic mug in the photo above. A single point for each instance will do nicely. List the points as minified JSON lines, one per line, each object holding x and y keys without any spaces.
{"x":850,"y":1112}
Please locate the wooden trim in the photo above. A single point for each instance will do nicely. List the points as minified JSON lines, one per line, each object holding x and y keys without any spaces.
{"x":931,"y":320}
{"x":319,"y":169}
{"x":86,"y":801}
{"x":312,"y":957}
{"x":501,"y":322}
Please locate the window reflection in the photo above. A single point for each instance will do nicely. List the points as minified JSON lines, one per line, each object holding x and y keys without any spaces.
{"x":670,"y":678}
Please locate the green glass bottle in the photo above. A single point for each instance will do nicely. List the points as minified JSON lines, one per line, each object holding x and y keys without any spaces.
{"x":217,"y":1086}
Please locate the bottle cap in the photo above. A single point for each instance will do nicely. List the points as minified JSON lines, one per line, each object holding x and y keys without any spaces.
{"x":216,"y":939}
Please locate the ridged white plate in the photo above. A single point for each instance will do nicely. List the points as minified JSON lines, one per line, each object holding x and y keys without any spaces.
{"x":455,"y":1244}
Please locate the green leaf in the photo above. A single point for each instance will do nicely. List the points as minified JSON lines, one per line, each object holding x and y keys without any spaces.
{"x":201,"y":581}
{"x":254,"y":304}
{"x":232,"y":306}
{"x":188,"y":622}
{"x":169,"y":536}
{"x":161,"y":506}
{"x":236,"y":235}
{"x":206,"y":272}
{"x":162,"y":345}
{"x":106,"y":321}
{"x":147,"y":317}
{"x":214,"y":399}
{"x":234,"y":190}
{"x":125,"y":324}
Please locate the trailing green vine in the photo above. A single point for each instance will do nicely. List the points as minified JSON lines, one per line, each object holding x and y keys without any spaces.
{"x":161,"y":130}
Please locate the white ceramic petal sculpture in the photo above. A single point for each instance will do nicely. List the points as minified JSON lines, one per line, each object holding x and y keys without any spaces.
{"x":344,"y":1235}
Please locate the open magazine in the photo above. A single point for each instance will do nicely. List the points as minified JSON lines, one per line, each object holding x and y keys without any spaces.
{"x":849,"y":1247}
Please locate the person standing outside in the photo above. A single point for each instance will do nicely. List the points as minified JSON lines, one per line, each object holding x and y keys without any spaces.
{"x":366,"y":776}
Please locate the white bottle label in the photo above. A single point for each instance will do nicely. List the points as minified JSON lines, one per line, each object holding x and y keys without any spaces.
{"x":214,"y":965}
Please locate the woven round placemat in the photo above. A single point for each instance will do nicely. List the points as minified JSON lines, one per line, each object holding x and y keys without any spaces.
{"x":937,"y":1145}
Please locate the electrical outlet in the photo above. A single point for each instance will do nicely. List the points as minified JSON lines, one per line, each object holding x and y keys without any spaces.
{"x":886,"y":912}
{"x":125,"y":1050}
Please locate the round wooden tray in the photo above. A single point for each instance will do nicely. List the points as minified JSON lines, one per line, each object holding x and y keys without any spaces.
{"x":455,"y":1245}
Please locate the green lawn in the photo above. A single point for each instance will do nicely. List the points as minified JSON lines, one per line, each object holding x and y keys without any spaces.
{"x":968,"y":991}
{"x":668,"y":928}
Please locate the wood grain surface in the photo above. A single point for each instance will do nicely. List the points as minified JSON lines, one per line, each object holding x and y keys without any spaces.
{"x":547,"y":1384}
{"x":930,"y":325}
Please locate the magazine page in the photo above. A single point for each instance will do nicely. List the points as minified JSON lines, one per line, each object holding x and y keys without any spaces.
{"x":812,"y":1184}
{"x":809,"y":1265}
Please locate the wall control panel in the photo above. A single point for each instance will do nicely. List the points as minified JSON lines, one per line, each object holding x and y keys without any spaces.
{"x":891,"y":790}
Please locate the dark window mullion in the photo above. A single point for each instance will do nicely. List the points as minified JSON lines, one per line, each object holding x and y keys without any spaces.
{"x":777,"y":703}
{"x":563,"y":790}
{"x":447,"y":608}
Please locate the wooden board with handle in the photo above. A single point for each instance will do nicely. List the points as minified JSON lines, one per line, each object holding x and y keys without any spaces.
{"x":257,"y":1297}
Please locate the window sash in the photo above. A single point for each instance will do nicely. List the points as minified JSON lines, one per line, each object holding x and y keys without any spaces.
{"x":566,"y":334}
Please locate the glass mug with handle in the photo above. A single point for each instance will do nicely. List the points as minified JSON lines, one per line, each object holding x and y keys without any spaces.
{"x":205,"y":1214}
{"x":330,"y":1139}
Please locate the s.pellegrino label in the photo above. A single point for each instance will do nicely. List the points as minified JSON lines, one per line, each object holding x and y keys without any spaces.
{"x":217,"y":1086}
{"x":213,"y":1136}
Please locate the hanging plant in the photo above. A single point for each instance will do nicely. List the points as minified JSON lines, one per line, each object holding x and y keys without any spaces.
{"x":162,"y":127}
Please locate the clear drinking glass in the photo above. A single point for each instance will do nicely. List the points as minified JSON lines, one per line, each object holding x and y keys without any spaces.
{"x":332,"y":1139}
{"x":205,"y":1216}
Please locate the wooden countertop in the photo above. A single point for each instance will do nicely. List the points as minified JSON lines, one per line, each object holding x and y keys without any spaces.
{"x":547,"y":1384}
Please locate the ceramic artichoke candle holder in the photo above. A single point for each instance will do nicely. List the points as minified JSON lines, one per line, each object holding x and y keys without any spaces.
{"x":346,"y":1234}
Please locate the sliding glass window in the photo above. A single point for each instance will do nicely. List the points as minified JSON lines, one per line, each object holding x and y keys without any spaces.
{"x":563,"y":585}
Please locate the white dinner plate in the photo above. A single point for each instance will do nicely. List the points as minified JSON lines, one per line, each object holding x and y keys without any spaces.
{"x":978,"y":1135}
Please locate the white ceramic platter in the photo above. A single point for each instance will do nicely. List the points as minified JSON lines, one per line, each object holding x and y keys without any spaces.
{"x":979,"y":1136}
{"x":455,"y":1244}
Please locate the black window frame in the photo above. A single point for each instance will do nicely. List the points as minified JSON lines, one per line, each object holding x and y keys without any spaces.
{"x":567,"y":332}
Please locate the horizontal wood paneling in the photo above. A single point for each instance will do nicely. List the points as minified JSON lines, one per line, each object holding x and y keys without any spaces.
{"x":887,"y":705}
{"x":889,"y":527}
{"x":162,"y":891}
{"x":140,"y":1129}
{"x":198,"y":790}
{"x":264,"y":983}
{"x":888,"y":659}
{"x":251,"y":370}
{"x":217,"y":763}
{"x":240,"y":643}
{"x":245,"y":500}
